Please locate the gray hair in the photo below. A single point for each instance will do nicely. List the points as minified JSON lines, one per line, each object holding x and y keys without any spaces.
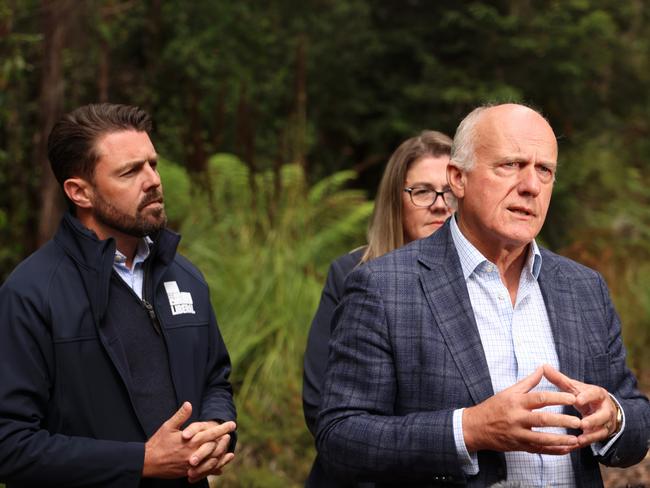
{"x":462,"y":149}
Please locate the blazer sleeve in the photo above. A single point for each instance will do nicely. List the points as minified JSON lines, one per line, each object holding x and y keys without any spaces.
{"x":30,"y":454}
{"x":317,"y":350}
{"x":632,"y":446}
{"x":360,"y":435}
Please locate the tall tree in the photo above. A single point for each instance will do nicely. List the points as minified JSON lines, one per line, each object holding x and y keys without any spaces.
{"x":57,"y":18}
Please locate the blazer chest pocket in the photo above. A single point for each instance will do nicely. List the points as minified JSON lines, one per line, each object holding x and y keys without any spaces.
{"x":597,"y":370}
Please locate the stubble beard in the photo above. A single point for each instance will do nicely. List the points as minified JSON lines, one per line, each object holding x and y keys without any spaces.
{"x":143,"y":223}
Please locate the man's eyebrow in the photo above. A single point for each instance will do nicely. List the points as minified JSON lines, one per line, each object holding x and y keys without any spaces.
{"x":511,"y":159}
{"x":521,"y":159}
{"x":128,"y":165}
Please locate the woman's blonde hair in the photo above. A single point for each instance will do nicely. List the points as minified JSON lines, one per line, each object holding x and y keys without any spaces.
{"x":385,"y":232}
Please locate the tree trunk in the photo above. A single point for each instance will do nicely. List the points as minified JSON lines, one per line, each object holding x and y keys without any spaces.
{"x":299,"y":126}
{"x":245,"y":140}
{"x":56,"y":21}
{"x":196,"y":156}
{"x":104,"y":70}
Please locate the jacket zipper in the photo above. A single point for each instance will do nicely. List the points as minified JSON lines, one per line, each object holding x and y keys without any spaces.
{"x":152,"y":316}
{"x":145,"y":295}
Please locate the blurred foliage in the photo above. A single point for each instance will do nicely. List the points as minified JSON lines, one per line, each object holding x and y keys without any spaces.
{"x":608,"y":202}
{"x":264,"y":242}
{"x":329,"y":84}
{"x":18,"y":183}
{"x":298,"y":91}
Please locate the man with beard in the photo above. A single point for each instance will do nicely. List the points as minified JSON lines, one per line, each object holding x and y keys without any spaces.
{"x":114,"y":370}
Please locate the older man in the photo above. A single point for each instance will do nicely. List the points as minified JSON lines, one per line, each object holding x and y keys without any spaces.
{"x":107,"y":331}
{"x":474,"y":356}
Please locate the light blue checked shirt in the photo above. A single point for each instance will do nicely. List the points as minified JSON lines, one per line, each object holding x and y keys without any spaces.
{"x":516,"y":340}
{"x":133,"y":277}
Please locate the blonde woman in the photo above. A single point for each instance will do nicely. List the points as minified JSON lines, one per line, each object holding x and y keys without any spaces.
{"x":412,"y":202}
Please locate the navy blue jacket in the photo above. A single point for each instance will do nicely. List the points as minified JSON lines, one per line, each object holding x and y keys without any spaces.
{"x":315,"y":360}
{"x":66,"y":416}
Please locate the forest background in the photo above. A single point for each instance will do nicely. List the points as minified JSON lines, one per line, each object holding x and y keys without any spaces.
{"x":274,"y":121}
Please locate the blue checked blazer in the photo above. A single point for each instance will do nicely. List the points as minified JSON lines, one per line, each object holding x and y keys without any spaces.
{"x":406,"y":352}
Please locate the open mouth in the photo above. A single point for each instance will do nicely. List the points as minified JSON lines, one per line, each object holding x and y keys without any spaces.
{"x":524,"y":212}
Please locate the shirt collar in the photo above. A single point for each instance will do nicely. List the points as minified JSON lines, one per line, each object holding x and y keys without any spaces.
{"x":141,"y":253}
{"x":471,"y":258}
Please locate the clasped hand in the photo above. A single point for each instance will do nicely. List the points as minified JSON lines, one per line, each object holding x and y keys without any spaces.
{"x":506,"y":421}
{"x":195,"y":452}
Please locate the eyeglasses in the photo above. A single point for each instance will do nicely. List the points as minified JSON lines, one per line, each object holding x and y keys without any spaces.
{"x":422,"y":196}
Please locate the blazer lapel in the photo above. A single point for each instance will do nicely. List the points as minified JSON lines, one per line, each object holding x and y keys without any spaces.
{"x":446,"y":293}
{"x":563,"y":315}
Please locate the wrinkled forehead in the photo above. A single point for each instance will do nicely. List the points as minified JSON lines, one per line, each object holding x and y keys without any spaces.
{"x":516,"y":130}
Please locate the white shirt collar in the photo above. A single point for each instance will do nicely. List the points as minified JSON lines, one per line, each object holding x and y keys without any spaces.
{"x":471,"y":258}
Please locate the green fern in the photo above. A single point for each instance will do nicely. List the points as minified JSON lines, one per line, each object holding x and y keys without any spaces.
{"x":264,"y":243}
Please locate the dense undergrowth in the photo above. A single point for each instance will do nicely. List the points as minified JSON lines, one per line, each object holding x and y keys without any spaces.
{"x":264,"y":245}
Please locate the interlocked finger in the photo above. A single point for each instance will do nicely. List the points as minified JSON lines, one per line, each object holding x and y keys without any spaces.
{"x":541,"y":418}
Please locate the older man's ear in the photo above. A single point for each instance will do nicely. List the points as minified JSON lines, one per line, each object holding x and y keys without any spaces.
{"x":456,"y":180}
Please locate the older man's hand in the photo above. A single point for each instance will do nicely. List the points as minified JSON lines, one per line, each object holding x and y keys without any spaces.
{"x":505,"y":421}
{"x":592,"y":402}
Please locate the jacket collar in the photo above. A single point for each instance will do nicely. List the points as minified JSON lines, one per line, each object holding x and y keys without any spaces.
{"x":82,"y":244}
{"x":94,"y":258}
{"x":445,"y":289}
